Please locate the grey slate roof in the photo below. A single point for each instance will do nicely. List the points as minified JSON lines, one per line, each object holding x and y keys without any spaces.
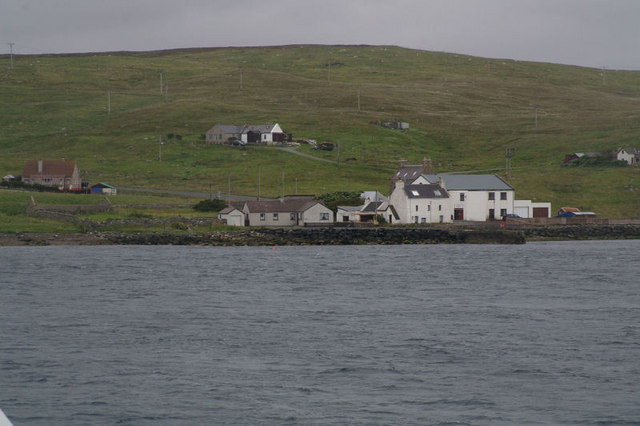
{"x":262,"y":128}
{"x":471,"y":182}
{"x":277,"y":206}
{"x":372,"y":207}
{"x":425,"y":191}
{"x":408,"y":173}
{"x":227,"y":210}
{"x":230,"y":128}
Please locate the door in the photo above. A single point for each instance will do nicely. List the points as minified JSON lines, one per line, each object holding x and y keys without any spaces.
{"x":458,"y":214}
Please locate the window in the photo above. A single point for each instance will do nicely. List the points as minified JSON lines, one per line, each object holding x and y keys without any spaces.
{"x":492,"y":195}
{"x":262,"y":216}
{"x":423,"y":220}
{"x":416,"y":207}
{"x":429,"y":208}
{"x":292,"y":216}
{"x":415,"y":193}
{"x":461,"y":196}
{"x":503,"y":195}
{"x":439,"y":207}
{"x":492,"y":214}
{"x":324,"y":216}
{"x":275,"y":216}
{"x":437,"y":192}
{"x":345,"y":218}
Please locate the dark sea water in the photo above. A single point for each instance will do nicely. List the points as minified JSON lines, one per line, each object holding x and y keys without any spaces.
{"x":542,"y":333}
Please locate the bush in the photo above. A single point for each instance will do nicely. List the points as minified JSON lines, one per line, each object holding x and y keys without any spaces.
{"x":211,"y":205}
{"x":342,"y":198}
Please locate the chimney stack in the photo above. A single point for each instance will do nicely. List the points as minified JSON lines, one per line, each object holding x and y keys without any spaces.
{"x":427,"y":169}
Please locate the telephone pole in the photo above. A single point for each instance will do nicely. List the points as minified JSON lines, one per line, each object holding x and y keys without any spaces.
{"x":11,"y":55}
{"x":161,"y":85}
{"x":508,"y":154}
{"x":241,"y":78}
{"x":358,"y":98}
{"x":108,"y":101}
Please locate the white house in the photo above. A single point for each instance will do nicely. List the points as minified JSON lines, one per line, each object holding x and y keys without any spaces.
{"x":630,"y":155}
{"x":248,"y":133}
{"x":265,"y":134}
{"x":231,"y":216}
{"x":475,"y":197}
{"x":421,"y":203}
{"x":287,"y":212}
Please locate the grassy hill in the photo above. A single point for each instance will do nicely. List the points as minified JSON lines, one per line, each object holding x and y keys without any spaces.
{"x":463,"y":112}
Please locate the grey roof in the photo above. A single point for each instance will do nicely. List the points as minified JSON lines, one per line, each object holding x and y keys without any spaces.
{"x":350,"y":208}
{"x":471,"y":182}
{"x":230,"y":128}
{"x":425,"y":191}
{"x":372,"y":207}
{"x":262,"y":128}
{"x":373,"y":195}
{"x":227,"y":210}
{"x":277,"y":206}
{"x":408,"y":173}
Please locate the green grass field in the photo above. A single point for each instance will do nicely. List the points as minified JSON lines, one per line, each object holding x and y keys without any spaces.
{"x":462,"y":113}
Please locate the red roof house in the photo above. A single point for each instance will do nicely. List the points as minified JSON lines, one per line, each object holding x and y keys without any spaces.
{"x":59,"y":174}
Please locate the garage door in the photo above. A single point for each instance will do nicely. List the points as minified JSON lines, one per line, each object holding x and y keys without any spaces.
{"x":522,"y":211}
{"x":540,"y":212}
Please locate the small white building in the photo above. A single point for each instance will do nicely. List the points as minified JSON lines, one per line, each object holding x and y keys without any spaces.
{"x":231,"y":216}
{"x":288,"y":212}
{"x":264,"y":134}
{"x":630,"y":155}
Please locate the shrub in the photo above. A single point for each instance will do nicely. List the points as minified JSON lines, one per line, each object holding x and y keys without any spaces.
{"x":342,"y":198}
{"x":210,"y":205}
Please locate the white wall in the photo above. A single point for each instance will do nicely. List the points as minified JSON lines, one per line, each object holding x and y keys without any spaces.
{"x":476,"y":204}
{"x":313,"y":214}
{"x":428,"y":210}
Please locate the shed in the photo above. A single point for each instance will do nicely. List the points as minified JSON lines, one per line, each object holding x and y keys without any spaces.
{"x":104,"y":188}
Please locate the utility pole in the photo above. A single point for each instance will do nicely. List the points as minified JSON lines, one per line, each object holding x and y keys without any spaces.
{"x":241,"y":78}
{"x":259,"y":178}
{"x":296,"y":186}
{"x":11,"y":55}
{"x":604,"y":80}
{"x":329,"y":70}
{"x":229,"y":190}
{"x":283,"y":184}
{"x":338,"y":146}
{"x":160,"y":143}
{"x":508,"y":154}
{"x":161,"y":86}
{"x":535,"y":115}
{"x":358,"y":98}
{"x":166,"y":88}
{"x":108,"y":101}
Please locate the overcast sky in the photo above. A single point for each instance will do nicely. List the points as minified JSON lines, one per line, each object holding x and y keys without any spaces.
{"x":592,"y":33}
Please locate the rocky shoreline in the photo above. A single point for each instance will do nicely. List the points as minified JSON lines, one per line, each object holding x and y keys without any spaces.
{"x":333,"y":236}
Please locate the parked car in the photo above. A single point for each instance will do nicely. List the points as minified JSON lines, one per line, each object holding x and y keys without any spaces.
{"x":510,"y":216}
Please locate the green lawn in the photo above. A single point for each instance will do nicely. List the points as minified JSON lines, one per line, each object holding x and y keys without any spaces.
{"x":461,"y":116}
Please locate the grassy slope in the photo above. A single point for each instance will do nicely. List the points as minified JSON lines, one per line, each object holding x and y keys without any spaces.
{"x":461,"y":116}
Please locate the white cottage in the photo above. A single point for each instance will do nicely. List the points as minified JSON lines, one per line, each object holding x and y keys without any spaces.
{"x":231,"y":216}
{"x":630,"y":155}
{"x":287,"y":212}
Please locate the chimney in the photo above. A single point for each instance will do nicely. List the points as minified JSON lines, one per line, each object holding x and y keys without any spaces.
{"x":426,"y":166}
{"x":40,"y":166}
{"x":441,"y":182}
